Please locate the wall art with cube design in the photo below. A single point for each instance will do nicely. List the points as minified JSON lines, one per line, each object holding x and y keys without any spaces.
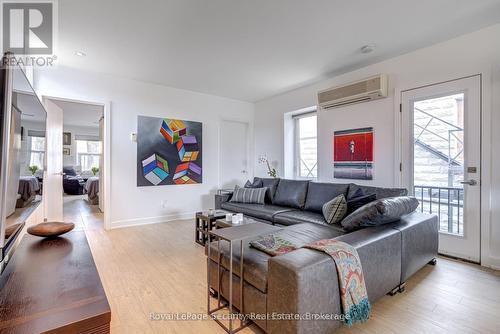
{"x":353,"y":154}
{"x":188,"y":172}
{"x":155,"y":169}
{"x":173,"y":130}
{"x":187,"y":146}
{"x":169,"y":151}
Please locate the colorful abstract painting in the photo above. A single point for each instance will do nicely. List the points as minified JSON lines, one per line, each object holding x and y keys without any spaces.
{"x":353,"y":154}
{"x":169,"y":151}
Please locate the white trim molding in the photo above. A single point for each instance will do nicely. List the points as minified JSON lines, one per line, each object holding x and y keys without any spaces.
{"x":107,"y":149}
{"x":152,"y":220}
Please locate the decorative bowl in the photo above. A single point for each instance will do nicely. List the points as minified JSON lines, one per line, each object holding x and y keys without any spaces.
{"x":52,"y":229}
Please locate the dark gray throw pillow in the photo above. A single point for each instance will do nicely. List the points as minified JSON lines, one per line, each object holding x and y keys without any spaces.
{"x":379,"y":212}
{"x":355,"y":203}
{"x":248,"y":195}
{"x":257,"y":183}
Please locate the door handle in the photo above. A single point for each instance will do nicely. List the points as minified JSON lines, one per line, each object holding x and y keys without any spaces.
{"x":60,"y":173}
{"x":470,"y":182}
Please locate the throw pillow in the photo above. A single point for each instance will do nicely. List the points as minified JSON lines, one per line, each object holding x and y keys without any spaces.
{"x":257,"y":183}
{"x":335,"y":210}
{"x":379,"y":212}
{"x":356,"y":202}
{"x":248,"y":195}
{"x":273,"y":245}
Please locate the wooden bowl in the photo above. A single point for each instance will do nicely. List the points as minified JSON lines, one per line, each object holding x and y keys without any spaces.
{"x":52,"y":229}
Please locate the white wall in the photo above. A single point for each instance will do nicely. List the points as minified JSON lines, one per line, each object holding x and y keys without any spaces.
{"x":70,"y":160}
{"x":131,"y":205}
{"x":470,"y":54}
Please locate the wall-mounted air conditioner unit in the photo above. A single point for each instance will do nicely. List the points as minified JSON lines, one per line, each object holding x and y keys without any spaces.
{"x":360,"y":91}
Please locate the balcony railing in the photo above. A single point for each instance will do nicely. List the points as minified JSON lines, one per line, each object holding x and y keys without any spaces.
{"x":446,"y":202}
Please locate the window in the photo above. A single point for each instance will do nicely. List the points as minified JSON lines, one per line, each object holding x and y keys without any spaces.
{"x":88,"y":153}
{"x":306,"y":159}
{"x":37,"y":152}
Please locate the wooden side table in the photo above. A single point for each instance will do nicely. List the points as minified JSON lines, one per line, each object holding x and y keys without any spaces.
{"x":204,"y":223}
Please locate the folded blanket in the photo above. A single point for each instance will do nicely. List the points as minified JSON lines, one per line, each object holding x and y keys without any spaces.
{"x":353,"y":295}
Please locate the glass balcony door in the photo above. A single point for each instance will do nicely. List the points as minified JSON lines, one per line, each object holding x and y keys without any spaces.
{"x":441,"y":159}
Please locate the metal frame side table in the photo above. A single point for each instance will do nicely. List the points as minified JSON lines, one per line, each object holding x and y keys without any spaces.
{"x":232,"y":235}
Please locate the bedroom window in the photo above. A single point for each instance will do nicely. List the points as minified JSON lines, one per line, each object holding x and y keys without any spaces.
{"x":88,"y":153}
{"x":306,"y":160}
{"x":37,"y":152}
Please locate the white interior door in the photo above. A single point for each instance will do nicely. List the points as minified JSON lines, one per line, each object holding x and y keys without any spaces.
{"x":101,"y":165}
{"x":233,"y":148}
{"x":441,"y":127}
{"x":52,"y":184}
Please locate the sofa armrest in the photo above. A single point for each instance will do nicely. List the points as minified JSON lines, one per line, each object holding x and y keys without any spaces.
{"x":222,"y":198}
{"x":419,"y":241}
{"x":305,"y":281}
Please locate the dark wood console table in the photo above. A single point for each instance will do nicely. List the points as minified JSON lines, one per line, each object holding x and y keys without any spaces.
{"x":52,"y":286}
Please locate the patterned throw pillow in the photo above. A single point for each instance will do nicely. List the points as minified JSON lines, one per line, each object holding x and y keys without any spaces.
{"x":273,"y":245}
{"x":248,"y":195}
{"x":335,"y":210}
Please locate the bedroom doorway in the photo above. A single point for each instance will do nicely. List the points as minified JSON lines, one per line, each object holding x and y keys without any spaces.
{"x":75,"y":160}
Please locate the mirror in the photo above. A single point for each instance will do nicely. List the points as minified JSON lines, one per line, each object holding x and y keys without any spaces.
{"x":23,"y":153}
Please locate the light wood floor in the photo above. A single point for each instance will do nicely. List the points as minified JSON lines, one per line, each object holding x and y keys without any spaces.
{"x":159,"y":268}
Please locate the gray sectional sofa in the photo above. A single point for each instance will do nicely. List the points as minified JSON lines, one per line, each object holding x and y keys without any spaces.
{"x":304,"y":281}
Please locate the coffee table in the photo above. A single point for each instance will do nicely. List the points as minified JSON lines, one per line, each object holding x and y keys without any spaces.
{"x":203,"y":223}
{"x":247,"y":229}
{"x":223,"y":223}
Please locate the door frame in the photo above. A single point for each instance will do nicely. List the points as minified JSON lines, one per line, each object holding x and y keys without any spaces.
{"x":106,"y":145}
{"x":250,"y":165}
{"x":485,"y":79}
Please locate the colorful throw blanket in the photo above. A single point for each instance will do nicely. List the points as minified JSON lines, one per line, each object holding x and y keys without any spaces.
{"x":353,"y":295}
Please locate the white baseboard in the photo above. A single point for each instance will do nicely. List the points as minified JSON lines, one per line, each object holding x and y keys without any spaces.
{"x":491,"y":262}
{"x":152,"y":220}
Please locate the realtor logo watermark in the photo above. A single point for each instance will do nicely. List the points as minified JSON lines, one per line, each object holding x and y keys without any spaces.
{"x":28,"y":31}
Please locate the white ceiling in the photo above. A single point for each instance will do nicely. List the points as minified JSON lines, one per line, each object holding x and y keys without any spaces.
{"x":253,"y":49}
{"x":80,"y":114}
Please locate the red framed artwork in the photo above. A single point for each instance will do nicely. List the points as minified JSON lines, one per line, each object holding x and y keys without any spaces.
{"x":353,"y":154}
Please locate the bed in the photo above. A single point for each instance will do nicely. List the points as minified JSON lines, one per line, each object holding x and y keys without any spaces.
{"x":91,"y":188}
{"x":29,"y":187}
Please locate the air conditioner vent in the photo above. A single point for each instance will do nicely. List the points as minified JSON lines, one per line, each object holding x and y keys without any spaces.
{"x":361,"y":91}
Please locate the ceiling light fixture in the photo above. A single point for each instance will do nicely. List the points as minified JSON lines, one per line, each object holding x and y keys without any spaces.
{"x":367,"y":48}
{"x":80,"y":54}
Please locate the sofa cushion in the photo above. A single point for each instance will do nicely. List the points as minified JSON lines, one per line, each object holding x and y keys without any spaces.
{"x":380,"y":192}
{"x":248,"y":195}
{"x":300,"y":217}
{"x":255,"y":261}
{"x":379,"y":212}
{"x":335,"y":210}
{"x":271,"y":184}
{"x":320,"y":193}
{"x":291,"y":193}
{"x":261,"y":211}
